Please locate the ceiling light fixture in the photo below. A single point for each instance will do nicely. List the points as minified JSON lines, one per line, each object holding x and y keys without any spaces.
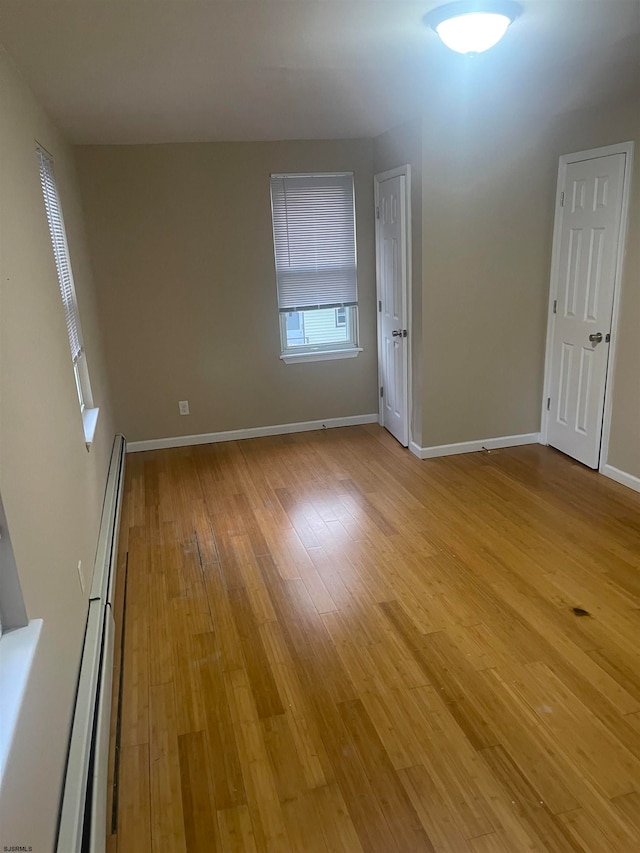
{"x":472,"y":26}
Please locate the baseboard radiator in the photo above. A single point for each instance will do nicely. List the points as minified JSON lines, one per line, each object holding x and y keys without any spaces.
{"x":82,"y":820}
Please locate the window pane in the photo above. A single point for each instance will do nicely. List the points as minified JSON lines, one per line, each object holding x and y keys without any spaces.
{"x":295,"y":329}
{"x":318,"y":327}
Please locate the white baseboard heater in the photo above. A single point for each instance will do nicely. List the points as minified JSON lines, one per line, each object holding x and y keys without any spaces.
{"x":82,"y":821}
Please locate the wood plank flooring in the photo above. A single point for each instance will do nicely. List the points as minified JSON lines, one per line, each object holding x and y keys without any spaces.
{"x":329,"y":645}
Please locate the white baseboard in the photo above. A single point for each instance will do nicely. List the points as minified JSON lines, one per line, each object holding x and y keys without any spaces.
{"x":621,"y":477}
{"x":253,"y":432}
{"x":416,"y":449}
{"x":474,"y":446}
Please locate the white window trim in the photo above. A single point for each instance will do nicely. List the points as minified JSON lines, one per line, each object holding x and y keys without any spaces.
{"x":320,"y":355}
{"x":17,"y":653}
{"x":333,"y":350}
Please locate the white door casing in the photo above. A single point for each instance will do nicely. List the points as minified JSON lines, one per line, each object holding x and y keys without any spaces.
{"x":587,"y":255}
{"x":392,"y":264}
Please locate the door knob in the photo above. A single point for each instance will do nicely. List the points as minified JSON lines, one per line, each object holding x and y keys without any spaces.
{"x":596,"y":338}
{"x":397,"y":333}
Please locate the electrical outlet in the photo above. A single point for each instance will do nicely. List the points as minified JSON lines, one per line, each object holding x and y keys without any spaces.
{"x":183,"y":405}
{"x":80,"y":575}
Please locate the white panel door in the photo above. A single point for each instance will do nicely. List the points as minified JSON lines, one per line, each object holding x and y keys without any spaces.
{"x":391,"y":244}
{"x":589,"y":234}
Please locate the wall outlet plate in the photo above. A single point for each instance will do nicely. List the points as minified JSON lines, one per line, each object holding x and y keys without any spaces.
{"x":183,"y":406}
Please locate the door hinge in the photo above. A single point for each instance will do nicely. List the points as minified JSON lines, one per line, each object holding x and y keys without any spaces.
{"x":377,"y":213}
{"x":548,"y":403}
{"x":561,"y":199}
{"x":381,"y":391}
{"x":380,"y":305}
{"x":555,"y":306}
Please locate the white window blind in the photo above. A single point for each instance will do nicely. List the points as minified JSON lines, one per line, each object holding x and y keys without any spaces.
{"x":314,"y":241}
{"x":61,"y":253}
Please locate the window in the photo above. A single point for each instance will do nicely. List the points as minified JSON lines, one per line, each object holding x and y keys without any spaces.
{"x":315,"y":254}
{"x":67,"y":291}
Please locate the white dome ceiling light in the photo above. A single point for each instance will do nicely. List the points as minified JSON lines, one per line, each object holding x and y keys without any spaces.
{"x":472,"y":26}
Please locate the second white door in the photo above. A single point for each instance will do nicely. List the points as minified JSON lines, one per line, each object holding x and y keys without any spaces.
{"x":391,"y":247}
{"x":587,"y":238}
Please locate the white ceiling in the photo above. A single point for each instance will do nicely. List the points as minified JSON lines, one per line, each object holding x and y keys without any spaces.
{"x":183,"y":70}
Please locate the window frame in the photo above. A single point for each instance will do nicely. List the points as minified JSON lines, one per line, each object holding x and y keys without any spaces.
{"x":62,"y":259}
{"x":351,"y":323}
{"x":328,"y":350}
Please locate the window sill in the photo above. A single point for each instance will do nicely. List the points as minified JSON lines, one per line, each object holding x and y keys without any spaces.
{"x":17,"y":651}
{"x":90,"y":422}
{"x":325,"y":355}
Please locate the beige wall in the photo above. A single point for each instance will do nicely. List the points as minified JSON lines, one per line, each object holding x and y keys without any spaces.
{"x":488,"y":206}
{"x":182,"y":247}
{"x":52,"y":488}
{"x":488,"y":197}
{"x":397,"y":147}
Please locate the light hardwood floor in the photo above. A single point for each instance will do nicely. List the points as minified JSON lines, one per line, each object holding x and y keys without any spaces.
{"x":330,"y":645}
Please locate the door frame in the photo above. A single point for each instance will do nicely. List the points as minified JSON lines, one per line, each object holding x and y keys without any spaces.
{"x":564,"y":161}
{"x":399,"y":171}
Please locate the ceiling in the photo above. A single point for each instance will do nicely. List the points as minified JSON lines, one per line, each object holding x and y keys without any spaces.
{"x":182,"y":70}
